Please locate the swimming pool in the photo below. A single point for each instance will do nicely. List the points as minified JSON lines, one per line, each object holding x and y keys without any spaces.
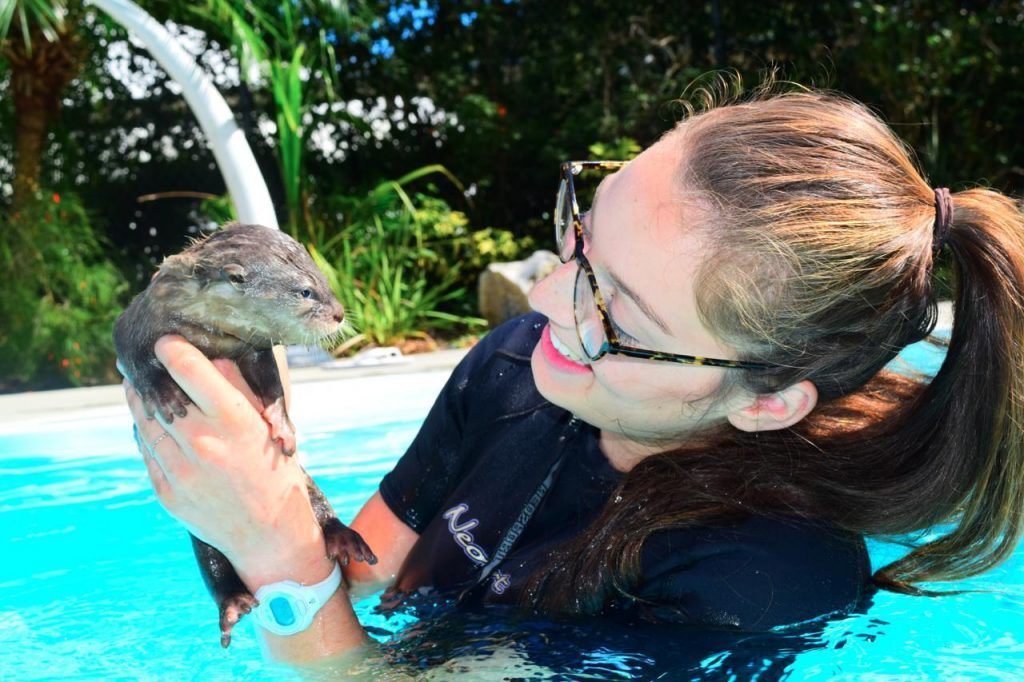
{"x":97,"y":582}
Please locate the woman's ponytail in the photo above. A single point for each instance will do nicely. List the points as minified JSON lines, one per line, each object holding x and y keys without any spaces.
{"x":973,"y":409}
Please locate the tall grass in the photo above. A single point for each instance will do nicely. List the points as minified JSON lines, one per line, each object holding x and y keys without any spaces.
{"x":386,"y":266}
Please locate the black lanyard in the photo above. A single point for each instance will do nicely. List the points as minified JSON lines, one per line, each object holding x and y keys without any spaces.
{"x":517,"y":527}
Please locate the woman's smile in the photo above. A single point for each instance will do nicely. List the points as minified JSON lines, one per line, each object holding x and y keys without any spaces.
{"x":560,"y":356}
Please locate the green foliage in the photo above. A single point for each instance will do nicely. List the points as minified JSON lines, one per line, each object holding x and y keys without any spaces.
{"x":949,"y":81}
{"x":384,"y":267}
{"x":219,"y":210}
{"x":386,"y":298}
{"x":46,"y":16}
{"x":444,"y":245}
{"x":536,"y":83}
{"x":460,"y":252}
{"x":286,"y":80}
{"x":61,"y":298}
{"x":285,"y":43}
{"x":404,"y":265}
{"x":622,"y":149}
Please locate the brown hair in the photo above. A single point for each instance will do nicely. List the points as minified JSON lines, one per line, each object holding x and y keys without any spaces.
{"x":821,"y":263}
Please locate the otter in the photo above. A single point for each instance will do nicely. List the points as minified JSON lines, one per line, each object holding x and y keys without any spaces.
{"x":235,"y":295}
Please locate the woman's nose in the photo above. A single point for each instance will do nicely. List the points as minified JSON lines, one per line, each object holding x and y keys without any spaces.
{"x":553,"y":295}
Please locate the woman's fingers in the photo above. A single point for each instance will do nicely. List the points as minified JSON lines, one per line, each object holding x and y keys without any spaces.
{"x":148,"y":438}
{"x":213,"y":394}
{"x":157,"y":477}
{"x":143,"y":424}
{"x":234,"y":376}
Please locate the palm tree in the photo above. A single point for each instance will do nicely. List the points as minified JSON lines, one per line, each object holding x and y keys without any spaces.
{"x":39,"y":42}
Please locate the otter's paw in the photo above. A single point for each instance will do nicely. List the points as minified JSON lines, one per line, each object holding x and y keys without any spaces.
{"x":167,"y":399}
{"x":232,"y":608}
{"x":344,"y":544}
{"x":281,"y":428}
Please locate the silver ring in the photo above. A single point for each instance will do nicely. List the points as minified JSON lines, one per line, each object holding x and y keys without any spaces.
{"x":152,"y":446}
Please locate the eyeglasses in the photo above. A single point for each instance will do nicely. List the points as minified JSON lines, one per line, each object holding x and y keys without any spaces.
{"x":594,"y":326}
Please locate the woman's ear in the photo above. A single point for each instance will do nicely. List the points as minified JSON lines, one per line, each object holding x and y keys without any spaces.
{"x":773,"y":411}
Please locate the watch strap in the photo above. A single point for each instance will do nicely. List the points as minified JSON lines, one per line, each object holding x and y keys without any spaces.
{"x":326,"y":588}
{"x":298,"y":604}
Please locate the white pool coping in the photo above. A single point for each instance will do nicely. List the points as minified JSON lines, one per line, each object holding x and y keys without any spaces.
{"x":32,"y":406}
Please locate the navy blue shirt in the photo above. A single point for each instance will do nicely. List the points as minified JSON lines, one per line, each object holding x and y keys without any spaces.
{"x":491,"y":439}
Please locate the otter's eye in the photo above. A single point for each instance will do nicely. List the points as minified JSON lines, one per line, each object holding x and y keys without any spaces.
{"x":306,"y":293}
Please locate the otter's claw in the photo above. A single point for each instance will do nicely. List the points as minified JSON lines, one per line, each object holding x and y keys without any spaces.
{"x":167,"y":399}
{"x":231,"y":611}
{"x":344,"y":544}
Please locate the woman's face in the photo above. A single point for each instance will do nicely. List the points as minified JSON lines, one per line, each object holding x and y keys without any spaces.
{"x":645,"y":257}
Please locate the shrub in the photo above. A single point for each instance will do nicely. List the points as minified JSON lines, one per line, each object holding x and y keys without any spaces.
{"x":61,"y":298}
{"x":386,"y":273}
{"x":405,"y":266}
{"x":459,"y":251}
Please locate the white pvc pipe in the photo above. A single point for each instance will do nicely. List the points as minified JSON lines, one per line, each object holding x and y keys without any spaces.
{"x":237,"y":164}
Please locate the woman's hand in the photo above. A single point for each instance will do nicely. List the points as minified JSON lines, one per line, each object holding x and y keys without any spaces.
{"x":219,"y":473}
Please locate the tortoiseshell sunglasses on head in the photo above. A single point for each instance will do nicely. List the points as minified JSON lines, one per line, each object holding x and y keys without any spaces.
{"x":594,"y":325}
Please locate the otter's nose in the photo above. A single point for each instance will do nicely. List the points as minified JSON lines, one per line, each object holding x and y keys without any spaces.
{"x":338,"y":313}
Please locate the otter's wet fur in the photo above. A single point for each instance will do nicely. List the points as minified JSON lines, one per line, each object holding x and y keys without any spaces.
{"x":235,"y":294}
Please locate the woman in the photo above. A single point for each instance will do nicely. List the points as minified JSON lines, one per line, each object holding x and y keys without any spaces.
{"x":764,"y":261}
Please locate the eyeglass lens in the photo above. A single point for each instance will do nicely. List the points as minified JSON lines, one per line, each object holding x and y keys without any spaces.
{"x":565,"y":234}
{"x":588,"y":321}
{"x":584,"y":186}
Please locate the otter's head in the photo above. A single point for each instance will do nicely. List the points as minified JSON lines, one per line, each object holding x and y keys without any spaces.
{"x":260,"y":285}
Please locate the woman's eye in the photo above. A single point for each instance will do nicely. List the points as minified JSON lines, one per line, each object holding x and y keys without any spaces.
{"x":624,"y":337}
{"x":585,"y":220}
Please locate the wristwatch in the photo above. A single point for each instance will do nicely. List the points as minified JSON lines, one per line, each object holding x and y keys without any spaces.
{"x":287,"y":607}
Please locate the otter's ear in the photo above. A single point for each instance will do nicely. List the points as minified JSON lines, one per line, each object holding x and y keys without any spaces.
{"x":234,"y":273}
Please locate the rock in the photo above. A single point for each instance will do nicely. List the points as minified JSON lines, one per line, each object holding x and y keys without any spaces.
{"x":503,"y":287}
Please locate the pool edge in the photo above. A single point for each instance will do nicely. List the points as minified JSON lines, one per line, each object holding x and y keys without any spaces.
{"x":18,"y":407}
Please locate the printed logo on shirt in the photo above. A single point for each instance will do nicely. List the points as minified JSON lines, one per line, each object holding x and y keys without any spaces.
{"x":460,"y":532}
{"x":501,"y":582}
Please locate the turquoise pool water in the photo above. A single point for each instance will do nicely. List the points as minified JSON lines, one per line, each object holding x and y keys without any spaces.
{"x":97,"y":582}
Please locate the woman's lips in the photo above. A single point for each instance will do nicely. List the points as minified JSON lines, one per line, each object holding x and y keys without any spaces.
{"x":556,"y":359}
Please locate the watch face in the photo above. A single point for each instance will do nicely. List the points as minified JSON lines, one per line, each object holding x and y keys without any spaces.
{"x":281,"y":608}
{"x":287,"y":607}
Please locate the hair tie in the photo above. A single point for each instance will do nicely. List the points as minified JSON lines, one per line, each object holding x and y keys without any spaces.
{"x":943,"y":218}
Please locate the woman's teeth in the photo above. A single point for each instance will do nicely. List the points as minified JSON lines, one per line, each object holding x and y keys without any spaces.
{"x":562,"y":349}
